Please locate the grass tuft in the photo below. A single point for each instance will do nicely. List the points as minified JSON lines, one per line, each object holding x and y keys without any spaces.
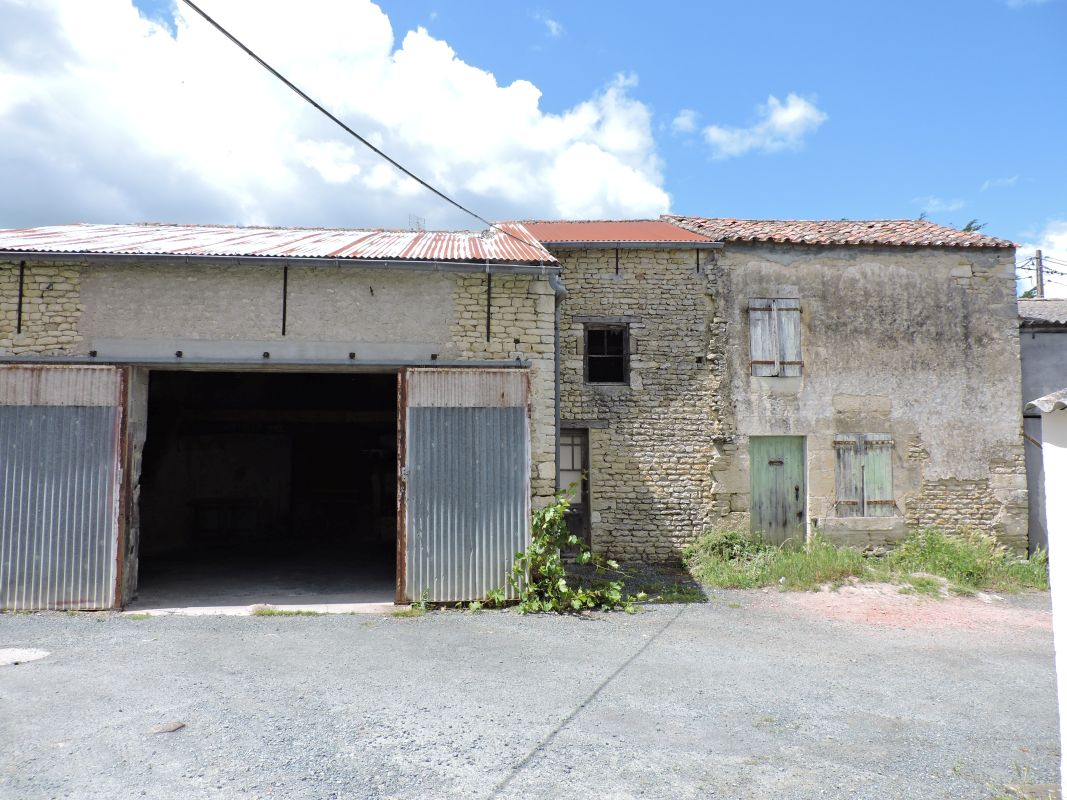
{"x":414,"y":611}
{"x":734,"y":559}
{"x":929,"y":562}
{"x":267,"y":611}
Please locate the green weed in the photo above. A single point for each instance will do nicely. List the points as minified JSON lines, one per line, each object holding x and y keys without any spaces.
{"x":929,"y":562}
{"x":267,"y":611}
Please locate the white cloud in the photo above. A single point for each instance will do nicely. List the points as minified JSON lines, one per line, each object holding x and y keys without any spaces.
{"x":553,"y":27}
{"x":999,"y":183}
{"x":938,"y":205}
{"x":685,"y":121}
{"x":1052,"y":242}
{"x":106,"y":117}
{"x":781,"y":126}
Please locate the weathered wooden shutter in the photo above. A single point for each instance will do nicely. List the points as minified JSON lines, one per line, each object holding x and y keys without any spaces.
{"x":763,"y":335}
{"x":787,"y":313}
{"x":864,"y":475}
{"x":774,"y":336}
{"x":878,"y":476}
{"x":848,"y":452}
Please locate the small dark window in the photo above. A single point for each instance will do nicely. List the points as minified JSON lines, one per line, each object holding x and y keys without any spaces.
{"x":607,"y":354}
{"x":574,"y":479}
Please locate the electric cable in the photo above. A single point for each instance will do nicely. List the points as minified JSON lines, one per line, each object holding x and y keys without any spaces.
{"x":307,"y":98}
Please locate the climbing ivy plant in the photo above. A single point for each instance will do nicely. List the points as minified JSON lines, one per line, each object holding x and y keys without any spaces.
{"x":540,"y":578}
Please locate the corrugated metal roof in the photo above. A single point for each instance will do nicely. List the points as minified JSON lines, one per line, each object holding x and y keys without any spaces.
{"x":1057,"y":401}
{"x":229,"y":241}
{"x":1043,"y":312}
{"x":900,"y":232}
{"x":609,"y":231}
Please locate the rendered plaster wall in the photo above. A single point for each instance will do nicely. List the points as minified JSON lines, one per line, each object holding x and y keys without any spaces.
{"x":651,"y":442}
{"x":921,"y":344}
{"x":1044,"y":363}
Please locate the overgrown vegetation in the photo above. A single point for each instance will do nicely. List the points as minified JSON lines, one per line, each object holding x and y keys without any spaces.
{"x":268,"y":611}
{"x":929,"y":561}
{"x":541,"y":579}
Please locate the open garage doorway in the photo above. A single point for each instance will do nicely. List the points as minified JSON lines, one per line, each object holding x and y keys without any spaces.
{"x":268,"y":488}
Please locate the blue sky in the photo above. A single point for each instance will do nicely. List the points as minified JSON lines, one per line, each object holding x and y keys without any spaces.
{"x":923,"y":99}
{"x":885,"y":109}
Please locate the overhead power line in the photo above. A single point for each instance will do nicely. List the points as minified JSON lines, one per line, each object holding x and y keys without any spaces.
{"x":307,"y":98}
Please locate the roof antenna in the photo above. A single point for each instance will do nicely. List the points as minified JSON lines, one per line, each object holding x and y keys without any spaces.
{"x":416,"y":223}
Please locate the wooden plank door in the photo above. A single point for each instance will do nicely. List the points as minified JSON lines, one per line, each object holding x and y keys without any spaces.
{"x":779,"y":495}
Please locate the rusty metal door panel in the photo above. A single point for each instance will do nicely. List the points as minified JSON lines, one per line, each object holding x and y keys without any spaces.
{"x":466,"y":481}
{"x":779,"y":495}
{"x":59,"y":487}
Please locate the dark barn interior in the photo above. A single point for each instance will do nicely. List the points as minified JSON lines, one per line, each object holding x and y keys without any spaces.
{"x":268,"y":488}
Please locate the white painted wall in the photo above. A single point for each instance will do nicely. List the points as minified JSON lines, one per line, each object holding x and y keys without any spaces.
{"x":1054,"y":451}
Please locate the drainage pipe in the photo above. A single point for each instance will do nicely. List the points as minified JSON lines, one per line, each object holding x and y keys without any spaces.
{"x":561,"y":294}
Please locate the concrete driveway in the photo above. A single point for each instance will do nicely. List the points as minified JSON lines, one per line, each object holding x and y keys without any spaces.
{"x":857,"y":694}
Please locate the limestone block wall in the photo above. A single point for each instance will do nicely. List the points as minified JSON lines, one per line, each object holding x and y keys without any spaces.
{"x":650,"y":461}
{"x":521,"y":328}
{"x":51,"y":309}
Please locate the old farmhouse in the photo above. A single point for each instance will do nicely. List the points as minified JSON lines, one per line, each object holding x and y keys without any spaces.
{"x":393,"y":404}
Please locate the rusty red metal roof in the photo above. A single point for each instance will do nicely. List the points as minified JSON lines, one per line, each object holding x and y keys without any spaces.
{"x":291,"y":243}
{"x":610,"y":231}
{"x":900,"y":232}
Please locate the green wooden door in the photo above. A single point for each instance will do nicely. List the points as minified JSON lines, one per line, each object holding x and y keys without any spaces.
{"x":779,"y":496}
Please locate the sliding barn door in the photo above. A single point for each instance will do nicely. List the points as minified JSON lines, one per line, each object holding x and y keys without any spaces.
{"x":60,"y":486}
{"x":464,"y":481}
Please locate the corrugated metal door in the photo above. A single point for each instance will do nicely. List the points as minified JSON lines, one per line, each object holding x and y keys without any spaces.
{"x":464,"y":481}
{"x":60,"y":476}
{"x":776,"y":464}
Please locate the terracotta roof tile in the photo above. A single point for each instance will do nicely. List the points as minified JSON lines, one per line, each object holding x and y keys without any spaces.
{"x":899,"y":232}
{"x":610,"y":231}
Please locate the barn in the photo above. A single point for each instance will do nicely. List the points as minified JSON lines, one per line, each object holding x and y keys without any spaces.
{"x":191,"y":413}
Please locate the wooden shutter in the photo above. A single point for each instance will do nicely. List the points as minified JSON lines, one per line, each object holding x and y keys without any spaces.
{"x":763,"y":336}
{"x":848,"y":452}
{"x":774,"y":335}
{"x":878,"y":476}
{"x":787,"y":313}
{"x":864,"y":475}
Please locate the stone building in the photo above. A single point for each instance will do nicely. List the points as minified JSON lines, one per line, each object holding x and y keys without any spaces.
{"x":1043,"y":349}
{"x":795,"y":377}
{"x":379,"y":412}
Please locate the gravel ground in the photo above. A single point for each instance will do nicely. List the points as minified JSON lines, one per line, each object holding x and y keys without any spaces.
{"x":750,"y":695}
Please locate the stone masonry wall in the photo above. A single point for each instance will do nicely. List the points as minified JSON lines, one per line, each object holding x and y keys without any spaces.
{"x":649,"y":473}
{"x":51,"y":309}
{"x":522,"y":328}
